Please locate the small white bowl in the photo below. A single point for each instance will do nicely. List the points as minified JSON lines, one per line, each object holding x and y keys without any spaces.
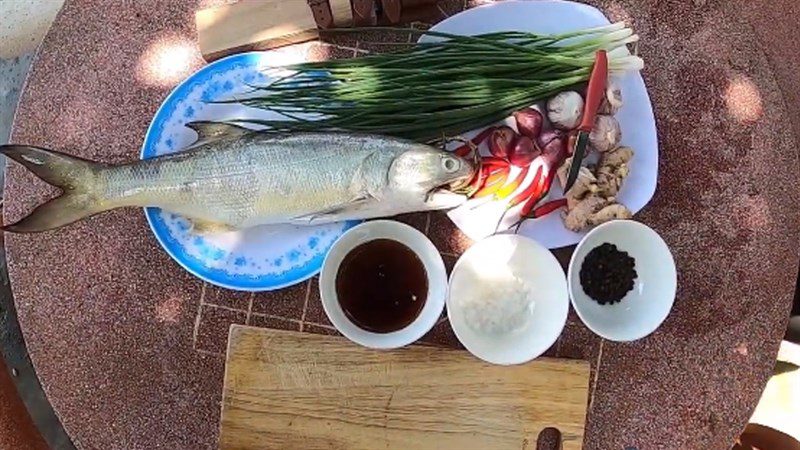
{"x":645,"y":307}
{"x":527,"y":260}
{"x":427,"y":253}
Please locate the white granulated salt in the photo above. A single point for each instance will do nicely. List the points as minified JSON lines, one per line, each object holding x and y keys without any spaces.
{"x":498,"y":304}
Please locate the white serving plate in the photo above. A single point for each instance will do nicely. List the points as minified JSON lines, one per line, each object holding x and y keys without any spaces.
{"x":636,"y":116}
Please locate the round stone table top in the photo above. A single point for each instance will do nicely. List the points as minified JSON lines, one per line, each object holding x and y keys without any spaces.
{"x":129,"y":347}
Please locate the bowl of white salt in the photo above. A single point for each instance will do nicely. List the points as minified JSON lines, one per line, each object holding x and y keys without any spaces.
{"x":508,"y":299}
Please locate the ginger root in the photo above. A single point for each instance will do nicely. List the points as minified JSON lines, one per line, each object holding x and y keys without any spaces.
{"x":610,"y":212}
{"x":612,"y":169}
{"x":585,"y":185}
{"x":577,"y":218}
{"x":592,"y":199}
{"x":594,"y":210}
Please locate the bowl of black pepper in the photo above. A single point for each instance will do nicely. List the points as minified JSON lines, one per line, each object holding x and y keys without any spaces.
{"x":622,"y":280}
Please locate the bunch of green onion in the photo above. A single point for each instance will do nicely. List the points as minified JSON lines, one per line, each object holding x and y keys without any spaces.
{"x":445,"y":86}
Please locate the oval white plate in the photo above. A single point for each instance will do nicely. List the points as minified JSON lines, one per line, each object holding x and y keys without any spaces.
{"x":256,"y":259}
{"x":434,"y":267}
{"x":530,"y":261}
{"x":636,"y":116}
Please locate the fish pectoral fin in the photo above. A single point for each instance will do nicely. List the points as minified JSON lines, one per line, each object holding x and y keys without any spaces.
{"x":211,"y":131}
{"x":200,"y":226}
{"x":443,"y":199}
{"x":334,"y":213}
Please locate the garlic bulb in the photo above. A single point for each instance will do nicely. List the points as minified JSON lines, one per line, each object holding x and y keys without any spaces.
{"x":606,"y":133}
{"x":565,"y":110}
{"x":612,"y":99}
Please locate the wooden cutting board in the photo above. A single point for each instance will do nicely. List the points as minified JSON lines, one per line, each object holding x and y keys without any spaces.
{"x":288,"y":390}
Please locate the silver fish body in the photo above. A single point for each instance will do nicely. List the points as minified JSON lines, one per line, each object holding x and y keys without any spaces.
{"x":243,"y":179}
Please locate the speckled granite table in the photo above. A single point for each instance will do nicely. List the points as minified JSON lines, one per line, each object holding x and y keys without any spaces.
{"x":129,"y":346}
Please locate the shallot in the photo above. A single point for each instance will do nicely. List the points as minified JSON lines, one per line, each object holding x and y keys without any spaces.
{"x":529,"y":122}
{"x":523,"y":152}
{"x":501,"y":141}
{"x":548,"y":136}
{"x":555,"y":151}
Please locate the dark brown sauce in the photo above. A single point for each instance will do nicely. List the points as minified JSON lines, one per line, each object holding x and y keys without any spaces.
{"x":382,"y":285}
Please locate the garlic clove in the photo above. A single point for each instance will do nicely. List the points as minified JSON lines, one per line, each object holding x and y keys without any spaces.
{"x":565,"y":110}
{"x":612,"y":99}
{"x":606,"y":134}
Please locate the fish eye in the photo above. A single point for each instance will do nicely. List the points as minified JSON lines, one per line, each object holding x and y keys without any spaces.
{"x":450,"y":164}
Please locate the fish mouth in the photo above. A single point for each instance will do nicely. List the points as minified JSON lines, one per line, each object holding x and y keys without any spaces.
{"x":443,"y":198}
{"x":456,"y":186}
{"x":453,"y":192}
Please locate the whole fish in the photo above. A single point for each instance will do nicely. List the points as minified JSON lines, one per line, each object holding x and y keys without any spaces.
{"x":235,"y":178}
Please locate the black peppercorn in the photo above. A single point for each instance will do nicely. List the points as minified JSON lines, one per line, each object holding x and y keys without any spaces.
{"x":607,"y":274}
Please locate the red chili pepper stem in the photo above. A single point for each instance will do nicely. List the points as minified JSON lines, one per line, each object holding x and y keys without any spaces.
{"x":525,"y":213}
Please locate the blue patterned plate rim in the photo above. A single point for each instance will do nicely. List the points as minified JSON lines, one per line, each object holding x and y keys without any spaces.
{"x":162,"y":233}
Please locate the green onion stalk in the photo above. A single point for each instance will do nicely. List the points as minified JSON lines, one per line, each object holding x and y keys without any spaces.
{"x":444,"y":86}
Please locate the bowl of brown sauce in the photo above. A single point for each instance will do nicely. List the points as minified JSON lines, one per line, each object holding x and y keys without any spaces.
{"x":383,"y":284}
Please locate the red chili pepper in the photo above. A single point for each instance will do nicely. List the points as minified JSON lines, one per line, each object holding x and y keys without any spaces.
{"x":538,"y":195}
{"x":509,"y":188}
{"x":549,"y":207}
{"x":493,"y":183}
{"x":528,"y":191}
{"x":476,"y":181}
{"x":497,"y":175}
{"x":466,"y":149}
{"x":492,"y":161}
{"x":481,"y":174}
{"x":482,"y":177}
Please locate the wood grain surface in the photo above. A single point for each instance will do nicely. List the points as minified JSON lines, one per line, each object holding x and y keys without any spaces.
{"x":289,"y":390}
{"x":265,"y":24}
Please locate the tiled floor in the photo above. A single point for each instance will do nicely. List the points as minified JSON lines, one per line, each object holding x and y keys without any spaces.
{"x":299,"y":307}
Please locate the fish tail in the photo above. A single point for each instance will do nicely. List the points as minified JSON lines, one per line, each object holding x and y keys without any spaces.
{"x":78,"y":178}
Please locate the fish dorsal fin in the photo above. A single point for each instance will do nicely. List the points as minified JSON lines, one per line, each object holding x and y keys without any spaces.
{"x":211,"y":131}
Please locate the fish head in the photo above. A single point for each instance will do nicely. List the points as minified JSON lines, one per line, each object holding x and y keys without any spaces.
{"x":425,"y":169}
